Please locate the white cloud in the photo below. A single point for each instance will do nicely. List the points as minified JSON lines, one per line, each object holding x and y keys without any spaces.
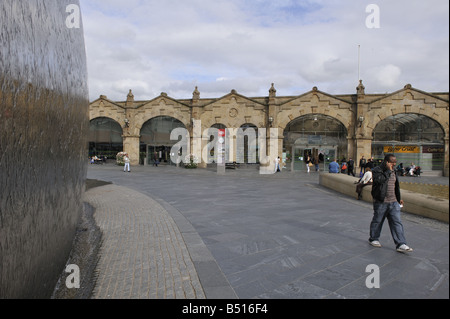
{"x":154,"y":46}
{"x":387,"y":76}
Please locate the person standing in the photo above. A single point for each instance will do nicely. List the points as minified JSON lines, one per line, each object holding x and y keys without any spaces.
{"x":316,"y":163}
{"x":386,"y":204}
{"x":126,"y":159}
{"x":370,"y":163}
{"x":350,"y":167}
{"x":277,"y":165}
{"x":362,"y":165}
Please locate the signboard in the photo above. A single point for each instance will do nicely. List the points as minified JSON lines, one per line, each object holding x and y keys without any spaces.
{"x":221,"y":147}
{"x":433,"y":149}
{"x":401,"y":149}
{"x":315,"y":139}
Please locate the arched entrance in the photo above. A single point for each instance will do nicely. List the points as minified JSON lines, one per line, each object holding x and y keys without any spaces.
{"x":247,"y":150}
{"x":413,"y":138}
{"x":155,"y":142}
{"x":213,"y":137}
{"x":316,"y":135}
{"x":105,"y":137}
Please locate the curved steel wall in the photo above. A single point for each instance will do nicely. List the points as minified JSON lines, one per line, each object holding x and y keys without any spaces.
{"x":43,"y":125}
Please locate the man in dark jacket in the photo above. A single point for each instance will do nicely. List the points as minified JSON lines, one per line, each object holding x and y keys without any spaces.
{"x":386,"y":204}
{"x":351,"y":167}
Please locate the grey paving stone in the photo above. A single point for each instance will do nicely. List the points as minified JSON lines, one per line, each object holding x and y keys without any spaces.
{"x":284,"y":236}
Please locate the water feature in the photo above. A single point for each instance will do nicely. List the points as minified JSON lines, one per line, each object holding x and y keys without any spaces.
{"x":43,"y":125}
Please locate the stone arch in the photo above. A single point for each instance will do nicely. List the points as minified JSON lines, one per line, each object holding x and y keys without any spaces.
{"x":408,"y":101}
{"x":105,"y":108}
{"x":413,"y":137}
{"x":107,"y":142}
{"x":316,"y":102}
{"x":315,"y":135}
{"x":156,"y":139}
{"x":233,"y":110}
{"x":153,"y":110}
{"x":384,"y":118}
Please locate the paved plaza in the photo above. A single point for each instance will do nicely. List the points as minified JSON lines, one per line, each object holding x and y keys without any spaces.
{"x":176,"y":233}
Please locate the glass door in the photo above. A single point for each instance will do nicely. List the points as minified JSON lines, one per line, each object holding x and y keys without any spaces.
{"x":300,"y":155}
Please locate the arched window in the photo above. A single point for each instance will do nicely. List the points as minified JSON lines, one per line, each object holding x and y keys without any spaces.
{"x":247,"y":146}
{"x":413,"y":138}
{"x":105,"y":137}
{"x":317,"y":136}
{"x":155,"y":142}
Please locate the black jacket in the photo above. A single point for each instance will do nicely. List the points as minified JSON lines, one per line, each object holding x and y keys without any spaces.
{"x":380,"y":176}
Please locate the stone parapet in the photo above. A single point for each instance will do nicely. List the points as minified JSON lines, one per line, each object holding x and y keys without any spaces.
{"x":414,"y":203}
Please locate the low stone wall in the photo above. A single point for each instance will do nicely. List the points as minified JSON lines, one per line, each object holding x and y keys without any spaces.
{"x":414,"y":203}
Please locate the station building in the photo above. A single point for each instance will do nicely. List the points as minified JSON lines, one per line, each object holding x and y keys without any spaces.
{"x":412,"y":124}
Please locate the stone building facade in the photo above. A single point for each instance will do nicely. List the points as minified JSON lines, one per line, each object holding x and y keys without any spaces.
{"x":358,"y":114}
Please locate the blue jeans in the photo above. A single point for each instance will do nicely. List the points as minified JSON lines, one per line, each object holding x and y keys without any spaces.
{"x":391,"y":211}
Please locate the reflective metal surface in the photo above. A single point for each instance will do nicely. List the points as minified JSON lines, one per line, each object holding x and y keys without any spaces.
{"x":43,"y":123}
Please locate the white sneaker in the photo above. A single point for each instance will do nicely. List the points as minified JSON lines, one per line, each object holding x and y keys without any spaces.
{"x":404,"y":249}
{"x":375,"y":243}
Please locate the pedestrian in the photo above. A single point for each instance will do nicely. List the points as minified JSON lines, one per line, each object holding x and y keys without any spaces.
{"x":370,"y":163}
{"x":366,"y":180}
{"x":126,"y":159}
{"x":308,"y":163}
{"x":316,"y":163}
{"x":351,"y":167}
{"x":155,"y":159}
{"x":387,"y":203}
{"x":277,"y":164}
{"x":362,"y":164}
{"x":333,"y":167}
{"x":343,"y":166}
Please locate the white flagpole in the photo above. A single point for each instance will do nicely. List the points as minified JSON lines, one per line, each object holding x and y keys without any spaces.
{"x":359,"y":62}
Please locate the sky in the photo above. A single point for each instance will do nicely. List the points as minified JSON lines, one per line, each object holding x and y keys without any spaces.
{"x":172,"y":46}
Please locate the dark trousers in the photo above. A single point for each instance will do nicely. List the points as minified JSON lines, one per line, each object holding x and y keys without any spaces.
{"x":350,"y":170}
{"x":359,"y":188}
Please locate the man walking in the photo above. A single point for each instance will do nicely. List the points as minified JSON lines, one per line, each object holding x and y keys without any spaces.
{"x":386,"y":204}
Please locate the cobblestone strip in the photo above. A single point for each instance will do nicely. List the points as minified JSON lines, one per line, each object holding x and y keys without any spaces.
{"x":143,"y":254}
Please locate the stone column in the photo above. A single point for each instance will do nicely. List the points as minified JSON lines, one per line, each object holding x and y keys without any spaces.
{"x":363,"y":141}
{"x":446,"y":157}
{"x":131,"y":146}
{"x":272,"y":125}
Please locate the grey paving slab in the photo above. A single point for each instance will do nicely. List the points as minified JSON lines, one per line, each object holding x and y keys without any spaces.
{"x":142,"y":255}
{"x":284,"y":236}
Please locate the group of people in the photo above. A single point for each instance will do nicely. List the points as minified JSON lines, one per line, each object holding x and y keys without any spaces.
{"x":97,"y":159}
{"x":310,"y":162}
{"x":345,"y":167}
{"x":411,"y":170}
